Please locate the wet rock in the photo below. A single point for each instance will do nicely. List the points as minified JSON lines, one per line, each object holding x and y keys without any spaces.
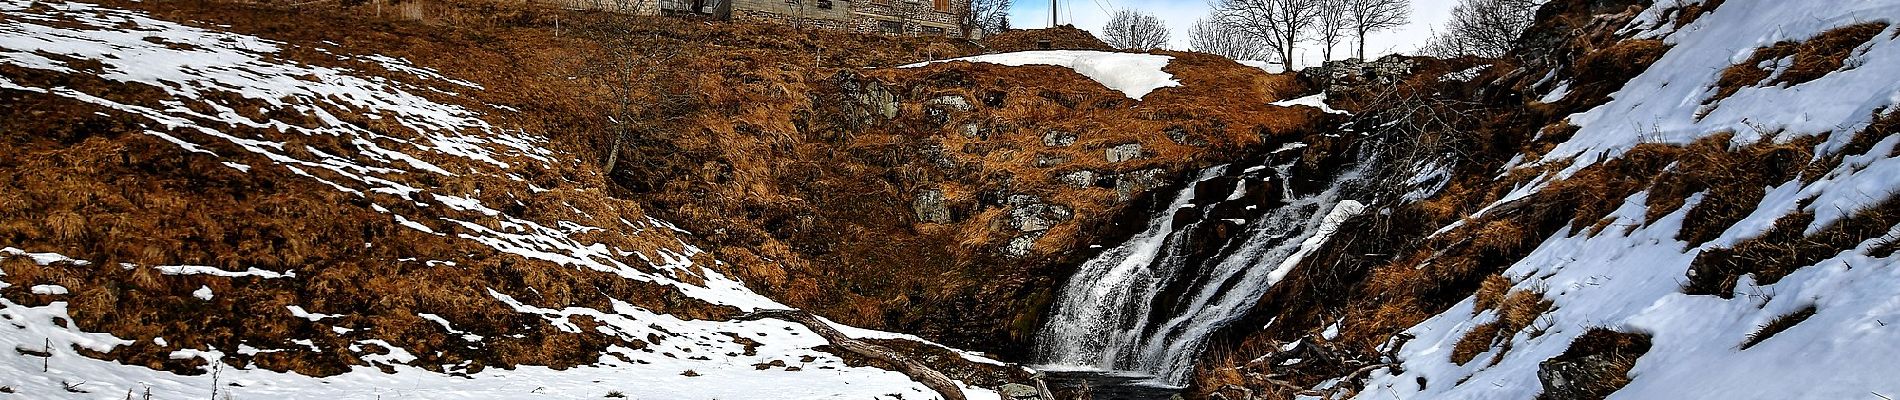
{"x":1128,"y":185}
{"x":930,"y":207}
{"x":1058,"y":139}
{"x":1124,"y":152}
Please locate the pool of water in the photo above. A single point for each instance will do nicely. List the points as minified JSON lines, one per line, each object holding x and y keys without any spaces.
{"x":1108,"y":385}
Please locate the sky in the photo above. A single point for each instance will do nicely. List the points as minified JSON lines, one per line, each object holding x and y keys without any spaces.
{"x":1181,"y":14}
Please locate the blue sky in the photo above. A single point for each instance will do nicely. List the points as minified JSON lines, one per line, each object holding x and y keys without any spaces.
{"x":1180,"y":14}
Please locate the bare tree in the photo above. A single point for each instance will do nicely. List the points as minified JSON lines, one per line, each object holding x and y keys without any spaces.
{"x":1484,"y":28}
{"x":1282,"y":24}
{"x":1367,"y":16}
{"x":644,"y":89}
{"x":986,"y":17}
{"x":1212,"y":36}
{"x":1331,"y":27}
{"x":1130,"y":29}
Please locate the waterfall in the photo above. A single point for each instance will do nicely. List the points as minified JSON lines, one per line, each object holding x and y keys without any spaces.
{"x":1149,"y":304}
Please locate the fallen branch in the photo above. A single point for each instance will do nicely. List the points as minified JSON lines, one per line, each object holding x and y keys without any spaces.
{"x":916,"y":370}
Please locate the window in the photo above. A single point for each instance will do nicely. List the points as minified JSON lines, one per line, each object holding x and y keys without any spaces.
{"x":942,"y":5}
{"x":933,"y":30}
{"x":888,"y":26}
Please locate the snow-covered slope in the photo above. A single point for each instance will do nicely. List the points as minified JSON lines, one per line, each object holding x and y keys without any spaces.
{"x":1631,"y":276}
{"x":407,"y":142}
{"x":1133,"y":74}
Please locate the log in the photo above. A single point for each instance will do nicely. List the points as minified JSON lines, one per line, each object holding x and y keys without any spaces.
{"x":915,"y":370}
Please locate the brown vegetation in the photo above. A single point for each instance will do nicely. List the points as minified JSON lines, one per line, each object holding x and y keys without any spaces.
{"x":1807,"y":60}
{"x":1776,"y":326}
{"x":1065,"y":37}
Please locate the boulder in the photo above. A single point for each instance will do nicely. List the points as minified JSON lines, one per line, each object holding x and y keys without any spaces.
{"x":1124,"y":152}
{"x":1050,"y":160}
{"x":1080,"y":179}
{"x":1017,"y":391}
{"x":1131,"y":184}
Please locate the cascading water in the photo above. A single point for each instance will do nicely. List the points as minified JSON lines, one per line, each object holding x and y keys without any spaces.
{"x":1150,"y":304}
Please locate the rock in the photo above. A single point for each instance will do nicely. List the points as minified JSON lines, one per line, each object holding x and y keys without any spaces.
{"x":1021,"y":246}
{"x":1050,"y":160}
{"x":939,"y":109}
{"x":1128,"y":185}
{"x":1596,"y":365}
{"x":937,"y":156}
{"x":1181,"y":136}
{"x":1343,"y":73}
{"x":1029,"y":214}
{"x":930,"y":208}
{"x":973,"y":131}
{"x":1017,"y":391}
{"x":957,"y":103}
{"x":1081,"y":179}
{"x":1058,"y":139}
{"x":1124,"y":152}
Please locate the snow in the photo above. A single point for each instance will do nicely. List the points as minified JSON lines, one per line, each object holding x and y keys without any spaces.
{"x":1556,"y":94}
{"x":214,"y":271}
{"x":48,"y":289}
{"x":1465,"y":75}
{"x":1316,"y":101}
{"x":1270,"y":67}
{"x":1662,"y":104}
{"x":1133,"y":74}
{"x":203,"y":293}
{"x":1631,"y":280}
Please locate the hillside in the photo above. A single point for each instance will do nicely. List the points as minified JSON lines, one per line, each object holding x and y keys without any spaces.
{"x":254,"y":200}
{"x":1675,"y":200}
{"x":487,"y":199}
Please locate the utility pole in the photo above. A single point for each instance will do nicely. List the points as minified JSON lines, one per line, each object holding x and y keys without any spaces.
{"x":1052,"y":13}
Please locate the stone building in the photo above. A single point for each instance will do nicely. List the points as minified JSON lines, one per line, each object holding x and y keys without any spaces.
{"x":891,"y":17}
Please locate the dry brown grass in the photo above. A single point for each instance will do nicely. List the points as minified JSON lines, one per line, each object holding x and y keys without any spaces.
{"x":1061,"y":37}
{"x":1779,"y":324}
{"x":1516,"y":311}
{"x":1811,"y":59}
{"x":82,"y":181}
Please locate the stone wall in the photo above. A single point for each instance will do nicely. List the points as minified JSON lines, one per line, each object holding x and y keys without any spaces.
{"x":824,"y":14}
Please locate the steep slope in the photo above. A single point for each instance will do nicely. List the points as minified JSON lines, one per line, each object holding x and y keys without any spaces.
{"x":1667,"y":200}
{"x":192,"y":211}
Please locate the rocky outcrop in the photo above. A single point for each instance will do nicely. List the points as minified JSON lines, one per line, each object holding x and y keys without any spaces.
{"x":1123,"y":152}
{"x":1597,"y":364}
